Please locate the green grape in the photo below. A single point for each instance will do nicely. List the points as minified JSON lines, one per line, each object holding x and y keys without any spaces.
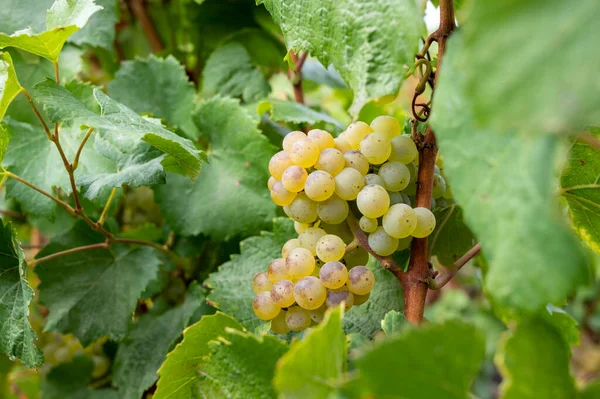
{"x":305,"y":152}
{"x":395,"y":198}
{"x":411,"y":189}
{"x":404,"y":243}
{"x":436,"y":170}
{"x":341,"y":230}
{"x":330,"y":248}
{"x":288,"y":246}
{"x":333,"y":275}
{"x":101,"y":365}
{"x":399,"y":221}
{"x":264,"y":307}
{"x":261,"y":283}
{"x":333,"y":210}
{"x":319,"y":185}
{"x":62,"y":355}
{"x":309,"y":293}
{"x":356,"y":132}
{"x":278,"y":324}
{"x":354,"y":159}
{"x":348,"y":183}
{"x":425,"y":223}
{"x":300,"y":227}
{"x":302,"y":209}
{"x":387,"y":125}
{"x":382,"y":243}
{"x":368,"y":225}
{"x":299,"y":263}
{"x":331,"y":161}
{"x":395,"y":175}
{"x":293,"y":178}
{"x":373,"y":201}
{"x":361,"y":280}
{"x":433,"y":203}
{"x":414,"y":172}
{"x":406,"y":199}
{"x":373,"y":178}
{"x":271,"y":182}
{"x":291,"y":138}
{"x":337,"y":296}
{"x":317,"y":315}
{"x":322,"y":138}
{"x":297,"y":319}
{"x":279,"y":163}
{"x":309,"y":238}
{"x":360,"y":299}
{"x":341,"y":144}
{"x":281,"y":196}
{"x":277,"y":270}
{"x":439,"y":161}
{"x":439,"y":186}
{"x":356,"y":257}
{"x":448,"y":193}
{"x":403,"y":149}
{"x":376,"y":148}
{"x":282,"y":293}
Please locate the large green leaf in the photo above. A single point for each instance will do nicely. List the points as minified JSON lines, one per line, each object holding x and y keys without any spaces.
{"x":517,"y":77}
{"x":451,"y":237}
{"x":450,"y":353}
{"x":237,"y":171}
{"x":144,"y":348}
{"x":289,"y":111}
{"x":505,"y":184}
{"x":17,"y":336}
{"x":19,"y":14}
{"x":100,"y":29}
{"x":93,"y":293}
{"x":9,"y":84}
{"x":321,"y":353}
{"x":368,"y":42}
{"x":580,"y":187}
{"x":70,"y":381}
{"x":534,"y":361}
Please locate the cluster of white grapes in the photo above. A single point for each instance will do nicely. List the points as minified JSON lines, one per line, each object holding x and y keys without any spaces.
{"x":369,"y":171}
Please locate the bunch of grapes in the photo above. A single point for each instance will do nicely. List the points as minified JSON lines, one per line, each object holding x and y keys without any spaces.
{"x":368,"y":172}
{"x":62,"y":349}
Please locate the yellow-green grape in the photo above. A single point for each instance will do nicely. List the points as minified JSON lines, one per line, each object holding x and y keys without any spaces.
{"x":354,"y":159}
{"x":278,"y":324}
{"x":395,"y":175}
{"x":333,"y":275}
{"x":261,"y":283}
{"x":373,"y":201}
{"x":62,"y":355}
{"x":297,"y":319}
{"x":396,"y":198}
{"x":382,"y":243}
{"x":399,"y":221}
{"x":387,"y":125}
{"x":101,"y":365}
{"x":291,"y":138}
{"x":322,"y":138}
{"x":281,"y":196}
{"x":341,"y":230}
{"x":319,"y":185}
{"x":309,"y":238}
{"x":299,"y":263}
{"x":356,"y":132}
{"x":271,"y":182}
{"x":360,"y":299}
{"x":425,"y":222}
{"x":300,"y":227}
{"x":447,"y":194}
{"x":264,"y":307}
{"x":376,"y":147}
{"x":406,"y":199}
{"x":309,"y":293}
{"x":368,"y":225}
{"x":305,"y":152}
{"x":293,"y":178}
{"x":348,"y":183}
{"x":341,"y":144}
{"x":373,"y":178}
{"x":330,"y":248}
{"x":288,"y":246}
{"x":279,"y":163}
{"x":439,"y":186}
{"x":333,"y":210}
{"x":282,"y":293}
{"x":404,"y":243}
{"x":277,"y":270}
{"x":331,"y":161}
{"x":414,"y":171}
{"x":302,"y":209}
{"x":360,"y":280}
{"x":433,"y":203}
{"x":436,"y":170}
{"x":403,"y":149}
{"x":317,"y":315}
{"x":356,"y":257}
{"x":337,"y":296}
{"x":411,"y":189}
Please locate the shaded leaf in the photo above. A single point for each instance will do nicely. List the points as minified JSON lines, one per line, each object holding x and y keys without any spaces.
{"x":70,"y":381}
{"x":393,"y":322}
{"x":289,"y":111}
{"x":100,"y":29}
{"x":451,"y":238}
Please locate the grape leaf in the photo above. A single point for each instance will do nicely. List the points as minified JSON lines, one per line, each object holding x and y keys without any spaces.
{"x":100,"y":29}
{"x":179,"y":375}
{"x":513,"y":92}
{"x":368,"y":42}
{"x":19,"y":14}
{"x":264,"y":50}
{"x":394,"y":322}
{"x":9,"y":84}
{"x":229,"y":71}
{"x":158,"y":86}
{"x":3,"y":142}
{"x":237,"y":170}
{"x":504,"y":182}
{"x":70,"y":381}
{"x":591,"y":391}
{"x":17,"y":336}
{"x":64,"y":18}
{"x":146,"y":344}
{"x":451,"y":237}
{"x":579,"y":182}
{"x":534,"y":361}
{"x":450,"y":352}
{"x":231,"y":285}
{"x":103,"y":285}
{"x":322,"y":352}
{"x":289,"y":111}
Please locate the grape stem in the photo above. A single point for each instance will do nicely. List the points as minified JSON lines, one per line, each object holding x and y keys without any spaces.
{"x":139,"y":11}
{"x":589,"y":139}
{"x":296,"y":76}
{"x":444,"y":277}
